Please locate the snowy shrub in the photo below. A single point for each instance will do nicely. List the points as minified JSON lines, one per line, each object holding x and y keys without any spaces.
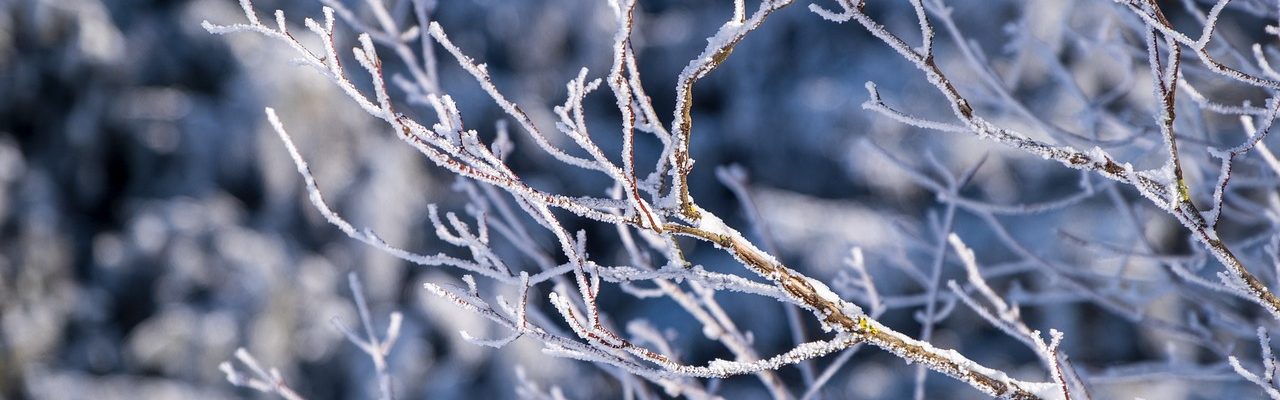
{"x":1058,"y":199}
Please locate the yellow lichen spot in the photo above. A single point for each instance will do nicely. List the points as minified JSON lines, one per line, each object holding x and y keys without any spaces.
{"x":864,"y":324}
{"x":1184,"y":194}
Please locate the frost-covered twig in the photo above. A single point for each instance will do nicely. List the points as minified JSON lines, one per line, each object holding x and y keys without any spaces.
{"x":842,"y":316}
{"x":1228,"y":157}
{"x":718,"y":48}
{"x":1267,"y":381}
{"x":377,"y":349}
{"x":1009,"y":320}
{"x":262,"y":380}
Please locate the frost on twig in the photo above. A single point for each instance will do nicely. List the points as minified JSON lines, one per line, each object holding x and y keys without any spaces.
{"x":272,"y":381}
{"x":377,"y":349}
{"x":1008,"y":319}
{"x":1266,"y":381}
{"x":262,"y":380}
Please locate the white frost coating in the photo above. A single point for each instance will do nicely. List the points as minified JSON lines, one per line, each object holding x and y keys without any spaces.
{"x":711,"y":223}
{"x":712,"y":280}
{"x":966,"y":366}
{"x":1253,"y":378}
{"x":832,"y":16}
{"x":724,"y":37}
{"x":494,"y":343}
{"x":1132,"y":176}
{"x":719,"y":368}
{"x":850,"y":309}
{"x":1164,"y":175}
{"x":1044,"y":390}
{"x":1097,"y":154}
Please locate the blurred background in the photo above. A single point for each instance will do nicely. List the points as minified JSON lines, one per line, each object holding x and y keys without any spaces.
{"x":151,"y":222}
